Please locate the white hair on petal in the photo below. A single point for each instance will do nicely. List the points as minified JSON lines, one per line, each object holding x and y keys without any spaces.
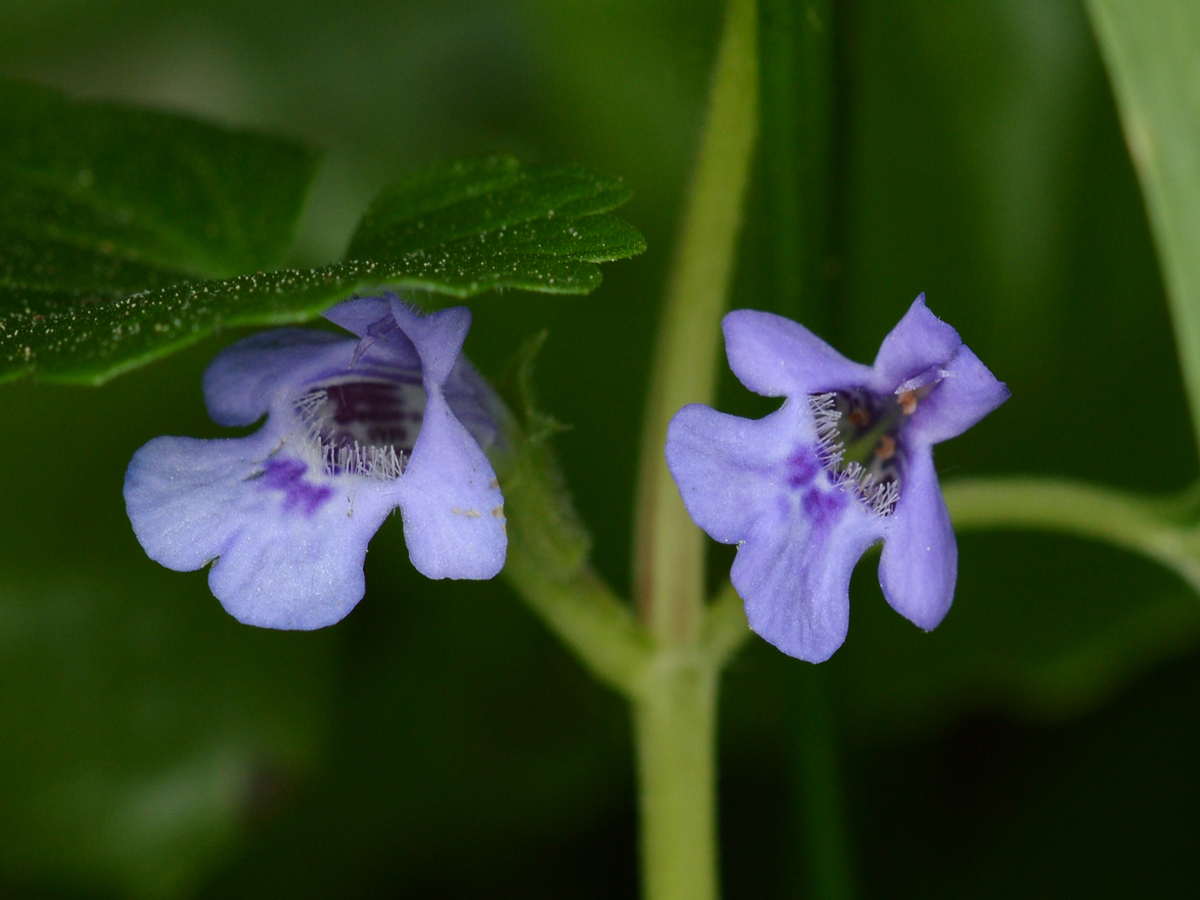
{"x":879,"y":496}
{"x":382,"y":463}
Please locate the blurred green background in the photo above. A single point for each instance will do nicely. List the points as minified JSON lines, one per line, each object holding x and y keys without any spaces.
{"x":439,"y":743}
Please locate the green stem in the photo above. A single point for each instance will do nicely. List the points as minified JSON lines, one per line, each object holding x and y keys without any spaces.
{"x":675,"y":731}
{"x":818,"y":777}
{"x":675,"y":704}
{"x":548,"y":567}
{"x":797,"y":132}
{"x":725,"y":626}
{"x":1048,"y":504}
{"x":669,"y":549}
{"x":585,"y":615}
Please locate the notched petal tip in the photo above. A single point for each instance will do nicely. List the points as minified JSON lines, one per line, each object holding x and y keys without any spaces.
{"x":297,"y":573}
{"x":278,"y":561}
{"x":438,"y":337}
{"x":793,"y":573}
{"x":919,"y":340}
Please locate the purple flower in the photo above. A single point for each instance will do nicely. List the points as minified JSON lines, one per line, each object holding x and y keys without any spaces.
{"x":845,"y":462}
{"x":355,"y":427}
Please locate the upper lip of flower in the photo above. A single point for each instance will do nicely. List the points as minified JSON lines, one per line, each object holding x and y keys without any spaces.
{"x":287,"y":512}
{"x":801,"y":528}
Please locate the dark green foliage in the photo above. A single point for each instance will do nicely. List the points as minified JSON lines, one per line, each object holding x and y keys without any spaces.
{"x":108,"y":214}
{"x":1039,"y":741}
{"x":161,"y":189}
{"x":460,"y":200}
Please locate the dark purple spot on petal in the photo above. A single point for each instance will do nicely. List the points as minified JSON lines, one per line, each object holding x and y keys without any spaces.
{"x":802,"y":467}
{"x":287,"y":475}
{"x":821,"y":508}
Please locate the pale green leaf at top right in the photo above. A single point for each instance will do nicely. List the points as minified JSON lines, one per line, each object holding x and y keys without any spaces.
{"x":1152,"y":52}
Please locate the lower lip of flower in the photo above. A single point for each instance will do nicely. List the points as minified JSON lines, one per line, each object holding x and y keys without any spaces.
{"x":364,"y":426}
{"x":861,"y":441}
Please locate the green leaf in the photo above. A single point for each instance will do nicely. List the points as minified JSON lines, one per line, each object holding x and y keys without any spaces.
{"x":457,"y":229}
{"x":43,"y":264}
{"x":160,"y":189}
{"x":461,"y":200}
{"x":1152,"y":51}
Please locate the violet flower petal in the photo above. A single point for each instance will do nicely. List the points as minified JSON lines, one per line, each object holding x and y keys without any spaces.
{"x":437,"y":337}
{"x":358,"y":315}
{"x":777,"y":357}
{"x":966,"y":393}
{"x":804,"y":495}
{"x":289,"y":567}
{"x":450,"y":500}
{"x":919,"y":340}
{"x":289,"y":546}
{"x":287,"y":513}
{"x":178,"y":492}
{"x":793,"y":571}
{"x":919,"y":564}
{"x":760,"y":484}
{"x":240,"y":383}
{"x":728,"y":468}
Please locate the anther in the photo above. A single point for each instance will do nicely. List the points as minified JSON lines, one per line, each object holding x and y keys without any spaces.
{"x":908,"y":402}
{"x":886,"y":448}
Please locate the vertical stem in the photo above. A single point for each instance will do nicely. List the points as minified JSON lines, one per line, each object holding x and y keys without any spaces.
{"x":669,"y":549}
{"x":818,"y":777}
{"x":675,"y":730}
{"x":797,"y":126}
{"x":675,"y":703}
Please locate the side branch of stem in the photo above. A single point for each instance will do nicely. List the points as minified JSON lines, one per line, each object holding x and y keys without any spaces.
{"x":1070,"y":507}
{"x":585,"y":615}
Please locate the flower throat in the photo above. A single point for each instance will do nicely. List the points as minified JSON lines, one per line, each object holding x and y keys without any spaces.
{"x":363,"y":426}
{"x":860,"y":437}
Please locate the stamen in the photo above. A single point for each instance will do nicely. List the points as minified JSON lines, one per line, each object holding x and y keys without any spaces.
{"x":858,"y":438}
